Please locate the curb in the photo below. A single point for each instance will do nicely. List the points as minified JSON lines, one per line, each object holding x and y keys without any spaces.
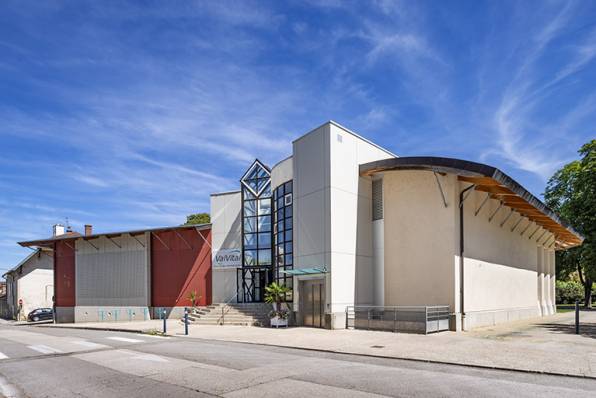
{"x":438,"y":362}
{"x":94,"y":328}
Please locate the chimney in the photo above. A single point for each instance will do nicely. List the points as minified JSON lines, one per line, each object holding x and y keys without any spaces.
{"x":68,"y":230}
{"x":88,"y":229}
{"x":58,"y":230}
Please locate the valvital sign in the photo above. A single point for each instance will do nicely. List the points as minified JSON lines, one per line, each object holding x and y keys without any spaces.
{"x":231,"y":258}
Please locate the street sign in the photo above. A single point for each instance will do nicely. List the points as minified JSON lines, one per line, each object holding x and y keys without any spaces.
{"x":20,"y":302}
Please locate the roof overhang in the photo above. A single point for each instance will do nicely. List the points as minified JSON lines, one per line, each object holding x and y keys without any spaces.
{"x":306,"y":271}
{"x":45,"y":242}
{"x":491,"y":180}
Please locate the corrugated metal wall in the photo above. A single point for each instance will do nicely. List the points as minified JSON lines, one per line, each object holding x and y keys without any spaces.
{"x":178,"y":271}
{"x":116,"y":274}
{"x":64,"y":268}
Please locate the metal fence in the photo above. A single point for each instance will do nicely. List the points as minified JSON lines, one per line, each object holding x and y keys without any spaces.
{"x":398,"y":319}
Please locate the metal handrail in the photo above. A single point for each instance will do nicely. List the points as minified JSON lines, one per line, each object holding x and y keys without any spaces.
{"x":373,"y":314}
{"x":223,"y":315}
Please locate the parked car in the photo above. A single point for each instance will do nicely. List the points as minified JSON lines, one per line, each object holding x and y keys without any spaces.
{"x":40,"y":313}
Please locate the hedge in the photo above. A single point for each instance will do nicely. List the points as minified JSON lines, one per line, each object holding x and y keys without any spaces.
{"x":569,"y":292}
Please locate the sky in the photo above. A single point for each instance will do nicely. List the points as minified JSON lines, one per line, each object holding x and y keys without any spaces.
{"x":127,"y":115}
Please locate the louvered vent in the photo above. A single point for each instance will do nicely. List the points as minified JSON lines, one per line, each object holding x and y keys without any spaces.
{"x":377,"y":202}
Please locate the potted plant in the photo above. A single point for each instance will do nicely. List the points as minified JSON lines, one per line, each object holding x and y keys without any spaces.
{"x":276,"y":295}
{"x":192,"y":297}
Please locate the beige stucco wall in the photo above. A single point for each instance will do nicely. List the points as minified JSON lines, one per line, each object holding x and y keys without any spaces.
{"x":282,"y":172}
{"x":507,"y":275}
{"x":420,"y":239}
{"x":500,"y":265}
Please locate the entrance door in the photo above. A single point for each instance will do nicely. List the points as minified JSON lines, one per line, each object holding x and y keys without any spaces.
{"x":252,"y":283}
{"x":312,"y":302}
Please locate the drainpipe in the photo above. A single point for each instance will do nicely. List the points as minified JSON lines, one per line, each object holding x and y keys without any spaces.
{"x":54,"y":298}
{"x":461,"y":256}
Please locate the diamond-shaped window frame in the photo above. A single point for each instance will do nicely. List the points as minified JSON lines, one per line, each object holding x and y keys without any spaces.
{"x":264,"y":168}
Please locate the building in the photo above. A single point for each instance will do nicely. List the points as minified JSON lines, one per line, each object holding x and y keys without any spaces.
{"x":130,"y":275}
{"x":3,"y":301}
{"x":347,"y":223}
{"x":30,"y":281}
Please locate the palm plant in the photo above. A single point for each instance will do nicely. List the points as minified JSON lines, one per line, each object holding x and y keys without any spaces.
{"x":192,"y":297}
{"x":276,"y":294}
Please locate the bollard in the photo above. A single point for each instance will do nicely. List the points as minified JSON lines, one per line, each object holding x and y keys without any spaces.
{"x":129,"y":312}
{"x":576,"y":317}
{"x":116,"y":312}
{"x":186,"y":321}
{"x":101,"y":313}
{"x":164,"y":320}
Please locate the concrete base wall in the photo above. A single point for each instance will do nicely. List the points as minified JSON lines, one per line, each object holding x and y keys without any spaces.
{"x":171,"y":312}
{"x":81,"y":314}
{"x":455,"y":322}
{"x":335,"y":320}
{"x":93,"y":314}
{"x":65,"y":314}
{"x":488,"y":318}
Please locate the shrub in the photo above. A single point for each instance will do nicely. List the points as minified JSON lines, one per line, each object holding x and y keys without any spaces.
{"x":569,"y":292}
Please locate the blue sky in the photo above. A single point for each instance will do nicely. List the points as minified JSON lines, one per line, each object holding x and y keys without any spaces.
{"x":127,"y":115}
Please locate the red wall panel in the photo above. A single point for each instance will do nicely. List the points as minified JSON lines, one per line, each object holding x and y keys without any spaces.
{"x":64,"y":276}
{"x":181,"y":270}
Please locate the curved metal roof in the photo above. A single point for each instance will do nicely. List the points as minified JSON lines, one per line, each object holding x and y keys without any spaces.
{"x":491,"y":180}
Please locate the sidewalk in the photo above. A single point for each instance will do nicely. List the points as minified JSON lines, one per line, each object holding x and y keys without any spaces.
{"x":542,"y":345}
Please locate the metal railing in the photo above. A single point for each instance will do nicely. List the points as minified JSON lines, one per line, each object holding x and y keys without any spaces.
{"x":223,"y":315}
{"x":398,"y":319}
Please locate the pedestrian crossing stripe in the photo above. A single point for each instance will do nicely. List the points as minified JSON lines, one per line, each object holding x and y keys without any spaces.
{"x":88,"y":344}
{"x":125,"y":339}
{"x":44,"y":349}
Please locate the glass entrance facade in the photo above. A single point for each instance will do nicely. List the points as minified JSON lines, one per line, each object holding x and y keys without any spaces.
{"x":283,"y":232}
{"x":257,"y":227}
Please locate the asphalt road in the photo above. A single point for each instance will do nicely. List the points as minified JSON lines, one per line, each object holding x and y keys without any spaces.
{"x":42,"y":362}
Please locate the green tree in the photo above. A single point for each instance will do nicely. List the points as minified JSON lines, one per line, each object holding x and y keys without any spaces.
{"x":200,"y":218}
{"x":571,"y":192}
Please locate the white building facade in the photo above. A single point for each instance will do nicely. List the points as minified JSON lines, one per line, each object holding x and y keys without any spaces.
{"x":347,"y":223}
{"x":30,"y":282}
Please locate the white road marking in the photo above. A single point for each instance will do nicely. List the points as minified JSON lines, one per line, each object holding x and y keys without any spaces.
{"x":44,"y":349}
{"x":150,"y":357}
{"x":144,"y":357}
{"x":125,"y":339}
{"x":2,"y":356}
{"x":88,"y":344}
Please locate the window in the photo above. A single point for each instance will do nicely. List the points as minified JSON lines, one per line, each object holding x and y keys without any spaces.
{"x":283,"y":232}
{"x":257,"y":216}
{"x":377,"y":203}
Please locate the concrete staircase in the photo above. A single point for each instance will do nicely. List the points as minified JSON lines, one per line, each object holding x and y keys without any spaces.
{"x":238,"y":314}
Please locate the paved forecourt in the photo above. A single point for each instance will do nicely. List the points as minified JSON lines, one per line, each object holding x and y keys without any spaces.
{"x":544,"y":345}
{"x":138,"y":365}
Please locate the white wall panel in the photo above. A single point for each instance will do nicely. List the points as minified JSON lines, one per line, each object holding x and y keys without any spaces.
{"x":226,"y":217}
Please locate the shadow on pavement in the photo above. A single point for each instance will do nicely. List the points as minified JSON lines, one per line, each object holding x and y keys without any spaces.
{"x":585,"y":329}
